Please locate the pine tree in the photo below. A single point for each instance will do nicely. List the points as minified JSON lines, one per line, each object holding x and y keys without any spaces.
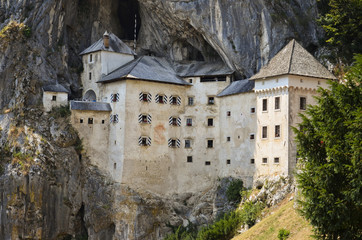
{"x":330,"y":144}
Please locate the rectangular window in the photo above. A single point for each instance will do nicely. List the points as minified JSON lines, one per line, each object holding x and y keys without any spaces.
{"x":252,"y":161}
{"x":207,"y":163}
{"x":228,"y":139}
{"x":160,"y":99}
{"x":265,"y":105}
{"x":265,"y":160}
{"x":144,"y":97}
{"x":91,"y":58}
{"x":81,"y":120}
{"x":210,"y":143}
{"x":174,"y":122}
{"x":190,"y":101}
{"x":90,"y":120}
{"x":228,"y":161}
{"x":277,"y":103}
{"x":210,"y":122}
{"x":144,"y":141}
{"x":102,"y":121}
{"x":252,"y":136}
{"x":144,"y":119}
{"x":187,"y":143}
{"x":189,"y":159}
{"x":228,"y":113}
{"x":276,"y":160}
{"x":302,"y":103}
{"x":54,"y":98}
{"x":189,"y":122}
{"x":264,"y":132}
{"x":173,"y":143}
{"x":90,"y":76}
{"x":174,"y":100}
{"x":190,"y":80}
{"x":277,"y":131}
{"x":211,"y":101}
{"x":252,"y":110}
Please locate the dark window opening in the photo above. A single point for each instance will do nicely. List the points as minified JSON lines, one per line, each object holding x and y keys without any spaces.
{"x":228,"y":161}
{"x":264,"y":132}
{"x":174,"y":122}
{"x":144,"y":119}
{"x":276,"y":160}
{"x":213,"y":79}
{"x":90,"y":120}
{"x":265,"y":104}
{"x":252,"y":136}
{"x":144,"y":142}
{"x":277,"y":131}
{"x":303,"y":103}
{"x":265,"y":160}
{"x":173,"y":143}
{"x":114,"y":165}
{"x":90,"y":76}
{"x":160,"y":99}
{"x":277,"y":103}
{"x":211,"y":101}
{"x":145,"y":97}
{"x":174,"y":100}
{"x":189,"y":159}
{"x":81,"y":120}
{"x":190,"y":80}
{"x":54,"y":98}
{"x":228,"y":113}
{"x":228,"y":139}
{"x":127,"y":10}
{"x":252,"y":161}
{"x":210,"y":143}
{"x":91,"y":58}
{"x":252,"y":110}
{"x":189,"y":122}
{"x":191,"y":101}
{"x":210,"y":122}
{"x":102,"y":121}
{"x":207,"y":163}
{"x":187,"y":143}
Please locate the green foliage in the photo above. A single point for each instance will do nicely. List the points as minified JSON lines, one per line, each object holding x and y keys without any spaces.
{"x":329,"y":142}
{"x":78,"y":146}
{"x":234,"y":190}
{"x":27,"y":32}
{"x":342,"y":22}
{"x":223,"y":229}
{"x":61,"y":112}
{"x":251,"y":212}
{"x":183,"y":233}
{"x":283,"y":234}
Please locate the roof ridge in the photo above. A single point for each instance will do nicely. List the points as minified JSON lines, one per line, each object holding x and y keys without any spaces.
{"x":136,"y":62}
{"x":291,"y":55}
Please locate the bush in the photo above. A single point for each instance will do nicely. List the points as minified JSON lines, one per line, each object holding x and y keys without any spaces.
{"x":251,"y":212}
{"x":182,"y":233}
{"x":61,"y":112}
{"x":283,"y":234}
{"x":233,"y":192}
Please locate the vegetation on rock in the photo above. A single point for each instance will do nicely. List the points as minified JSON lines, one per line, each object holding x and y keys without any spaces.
{"x":329,"y":142}
{"x":234,"y":190}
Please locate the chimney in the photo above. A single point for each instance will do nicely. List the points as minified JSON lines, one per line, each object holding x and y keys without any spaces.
{"x":106,"y":39}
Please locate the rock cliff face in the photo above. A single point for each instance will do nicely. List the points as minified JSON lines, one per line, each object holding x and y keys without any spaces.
{"x":46,"y":190}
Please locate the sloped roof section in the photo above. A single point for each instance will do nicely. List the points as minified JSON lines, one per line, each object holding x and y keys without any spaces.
{"x":55,"y":88}
{"x":115,"y":45}
{"x":295,"y":60}
{"x":236,"y":87}
{"x":90,"y":106}
{"x":146,"y":68}
{"x":198,"y":69}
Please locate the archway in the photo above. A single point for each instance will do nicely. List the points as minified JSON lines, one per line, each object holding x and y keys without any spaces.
{"x":90,"y":95}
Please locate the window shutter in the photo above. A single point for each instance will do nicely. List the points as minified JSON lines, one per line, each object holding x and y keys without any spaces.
{"x":140,"y":141}
{"x":178,"y":121}
{"x":112,"y":97}
{"x":169,"y":142}
{"x":170,"y":120}
{"x":115,"y":120}
{"x":148,"y":141}
{"x":171,"y":99}
{"x":149,"y":119}
{"x":178,"y":143}
{"x":165,"y":99}
{"x":141,"y":96}
{"x":140,"y":118}
{"x":117,"y":97}
{"x":111,"y":118}
{"x":178,"y":100}
{"x":149,"y":97}
{"x":157,"y":97}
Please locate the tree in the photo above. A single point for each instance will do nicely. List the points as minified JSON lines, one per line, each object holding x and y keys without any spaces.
{"x":342,"y":22}
{"x":329,"y":142}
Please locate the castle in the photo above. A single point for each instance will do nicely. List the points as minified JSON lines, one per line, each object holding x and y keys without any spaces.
{"x":174,"y":128}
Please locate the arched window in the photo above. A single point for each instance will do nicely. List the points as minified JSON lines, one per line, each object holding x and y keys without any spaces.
{"x":90,"y":95}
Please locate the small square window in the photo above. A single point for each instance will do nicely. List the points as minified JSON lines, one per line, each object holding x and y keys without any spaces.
{"x":228,"y":139}
{"x":265,"y":105}
{"x":210,"y":122}
{"x":144,"y":119}
{"x":211,"y":101}
{"x":144,"y":141}
{"x":228,"y":161}
{"x":190,"y":80}
{"x":264,"y":132}
{"x":190,"y":101}
{"x":189,"y":122}
{"x":276,"y":160}
{"x":207,"y":163}
{"x":303,"y":103}
{"x":174,"y":100}
{"x":189,"y":159}
{"x":228,"y":113}
{"x":187,"y":143}
{"x":102,"y":121}
{"x":160,"y":99}
{"x":174,"y":122}
{"x":277,"y":131}
{"x":210,"y":143}
{"x":277,"y":103}
{"x":252,"y":161}
{"x":265,"y":160}
{"x":252,"y":136}
{"x":54,"y":98}
{"x":145,"y":97}
{"x":81,"y":120}
{"x":90,"y":120}
{"x":252,"y":110}
{"x":173,"y":143}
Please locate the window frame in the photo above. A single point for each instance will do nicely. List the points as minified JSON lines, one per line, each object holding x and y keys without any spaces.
{"x":189,"y":122}
{"x":302,"y":104}
{"x":277,"y":134}
{"x":190,"y":101}
{"x":278,"y":160}
{"x":210,"y":122}
{"x":252,"y":110}
{"x":252,"y":136}
{"x":264,"y":105}
{"x":277,"y":104}
{"x":252,"y":160}
{"x":210,"y":143}
{"x":264,"y":136}
{"x":266,"y":160}
{"x":210,"y":100}
{"x":189,"y":143}
{"x":189,"y":159}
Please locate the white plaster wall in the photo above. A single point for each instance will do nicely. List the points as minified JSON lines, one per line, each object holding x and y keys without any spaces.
{"x":112,"y":61}
{"x":62,"y":100}
{"x":94,"y":67}
{"x":270,"y":83}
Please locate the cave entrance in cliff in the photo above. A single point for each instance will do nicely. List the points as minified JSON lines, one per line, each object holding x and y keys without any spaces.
{"x":127,"y":10}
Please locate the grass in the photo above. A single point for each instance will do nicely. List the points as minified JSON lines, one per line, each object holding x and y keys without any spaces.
{"x":283,"y":217}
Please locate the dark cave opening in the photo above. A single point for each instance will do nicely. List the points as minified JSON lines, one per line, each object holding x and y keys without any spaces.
{"x":128,"y":12}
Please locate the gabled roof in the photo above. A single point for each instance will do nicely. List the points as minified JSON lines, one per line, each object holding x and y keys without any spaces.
{"x":115,"y":45}
{"x":240,"y":86}
{"x":145,"y":68}
{"x":198,"y":69}
{"x":293,"y":59}
{"x":90,"y":106}
{"x":55,"y":88}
